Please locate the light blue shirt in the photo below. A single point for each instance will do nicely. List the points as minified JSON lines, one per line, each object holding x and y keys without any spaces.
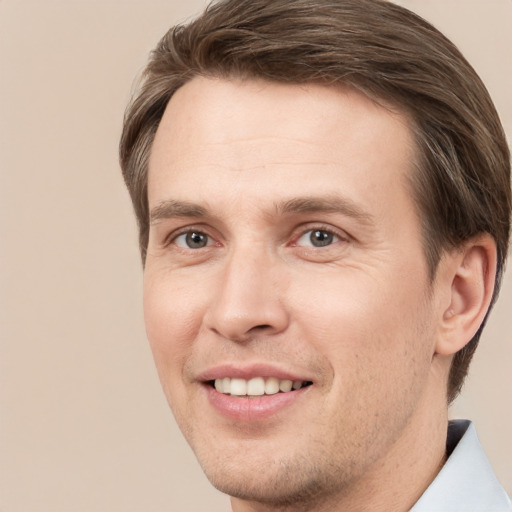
{"x":467,"y":482}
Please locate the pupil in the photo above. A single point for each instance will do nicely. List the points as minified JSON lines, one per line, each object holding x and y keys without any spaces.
{"x":321,"y":238}
{"x":196,"y":240}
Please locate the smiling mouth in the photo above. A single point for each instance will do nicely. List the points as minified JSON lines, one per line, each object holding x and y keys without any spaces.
{"x":257,"y":386}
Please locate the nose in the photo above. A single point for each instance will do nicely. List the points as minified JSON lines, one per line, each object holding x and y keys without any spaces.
{"x":249,"y":301}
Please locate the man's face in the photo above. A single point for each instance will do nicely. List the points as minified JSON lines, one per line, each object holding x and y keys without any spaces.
{"x":285,"y":246}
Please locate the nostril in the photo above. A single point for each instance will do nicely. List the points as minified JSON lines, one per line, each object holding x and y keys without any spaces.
{"x":261,"y":327}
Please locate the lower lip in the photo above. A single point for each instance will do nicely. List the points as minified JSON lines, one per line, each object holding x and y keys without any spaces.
{"x":244,"y":409}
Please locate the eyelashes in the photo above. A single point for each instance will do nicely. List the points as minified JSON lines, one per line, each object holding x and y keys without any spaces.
{"x":309,"y":237}
{"x":318,"y":237}
{"x":193,"y":239}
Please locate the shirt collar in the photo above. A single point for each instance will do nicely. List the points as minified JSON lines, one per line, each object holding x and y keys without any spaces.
{"x":467,"y":481}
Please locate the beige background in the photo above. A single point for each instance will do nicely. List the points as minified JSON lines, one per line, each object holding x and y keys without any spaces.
{"x":83,"y":424}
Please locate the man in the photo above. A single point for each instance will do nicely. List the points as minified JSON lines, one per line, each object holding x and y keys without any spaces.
{"x":323,"y":195}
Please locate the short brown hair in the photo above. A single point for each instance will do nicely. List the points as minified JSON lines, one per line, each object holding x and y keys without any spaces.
{"x":462,"y":179}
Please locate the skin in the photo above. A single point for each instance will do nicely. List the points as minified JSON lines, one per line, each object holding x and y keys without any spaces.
{"x":358,"y":317}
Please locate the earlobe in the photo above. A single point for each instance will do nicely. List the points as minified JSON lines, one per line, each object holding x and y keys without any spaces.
{"x":468,"y":275}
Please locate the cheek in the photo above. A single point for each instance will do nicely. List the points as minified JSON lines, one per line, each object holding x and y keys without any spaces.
{"x":391,"y":353}
{"x":172,"y":316}
{"x":373,"y":327}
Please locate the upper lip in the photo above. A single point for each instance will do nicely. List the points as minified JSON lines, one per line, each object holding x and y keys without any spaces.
{"x":249,"y":371}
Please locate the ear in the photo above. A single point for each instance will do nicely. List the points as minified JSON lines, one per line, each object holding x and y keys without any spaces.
{"x":467,"y":275}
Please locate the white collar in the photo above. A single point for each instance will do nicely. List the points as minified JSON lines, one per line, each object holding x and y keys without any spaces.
{"x":467,"y":482}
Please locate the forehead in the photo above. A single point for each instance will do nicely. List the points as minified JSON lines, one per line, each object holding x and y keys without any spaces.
{"x":276,"y":140}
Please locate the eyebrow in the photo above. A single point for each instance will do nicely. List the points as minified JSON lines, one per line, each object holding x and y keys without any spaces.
{"x":171,"y":208}
{"x":334,"y":204}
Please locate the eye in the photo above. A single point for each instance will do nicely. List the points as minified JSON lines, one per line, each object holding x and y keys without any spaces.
{"x":192,"y":240}
{"x":317,"y":238}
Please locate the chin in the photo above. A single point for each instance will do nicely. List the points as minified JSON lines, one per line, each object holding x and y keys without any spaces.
{"x":283,"y":491}
{"x":280,"y":482}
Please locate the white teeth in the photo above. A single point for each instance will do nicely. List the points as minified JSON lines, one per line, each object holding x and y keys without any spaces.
{"x":256,"y":386}
{"x":271,"y":386}
{"x":285,"y":386}
{"x":238,"y":387}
